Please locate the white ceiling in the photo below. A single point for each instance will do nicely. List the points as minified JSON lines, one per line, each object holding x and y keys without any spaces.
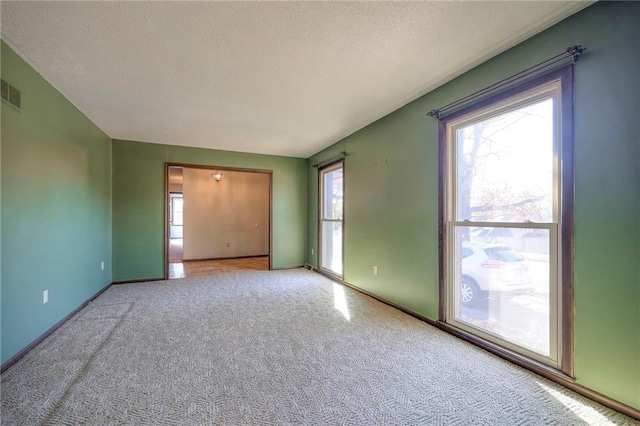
{"x":283,"y":78}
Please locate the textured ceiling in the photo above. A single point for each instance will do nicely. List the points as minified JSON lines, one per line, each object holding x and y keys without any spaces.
{"x":283,"y":78}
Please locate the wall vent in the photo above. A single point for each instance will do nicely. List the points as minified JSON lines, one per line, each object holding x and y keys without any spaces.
{"x":11,"y":94}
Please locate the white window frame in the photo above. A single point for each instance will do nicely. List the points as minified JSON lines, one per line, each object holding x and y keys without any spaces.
{"x":556,"y":85}
{"x":322,"y":219}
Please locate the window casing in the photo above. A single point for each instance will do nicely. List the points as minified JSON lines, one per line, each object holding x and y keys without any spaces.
{"x":331,"y":218}
{"x":506,"y":219}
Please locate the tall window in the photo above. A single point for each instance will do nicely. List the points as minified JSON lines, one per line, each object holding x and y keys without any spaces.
{"x":331,"y":218}
{"x":177,"y":203}
{"x":506,"y":212}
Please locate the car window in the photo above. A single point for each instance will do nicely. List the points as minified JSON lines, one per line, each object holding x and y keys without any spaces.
{"x":466,"y":252}
{"x":505,"y":254}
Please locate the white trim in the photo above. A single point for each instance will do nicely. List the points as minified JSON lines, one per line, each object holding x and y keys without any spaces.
{"x":338,"y":165}
{"x":553,"y":90}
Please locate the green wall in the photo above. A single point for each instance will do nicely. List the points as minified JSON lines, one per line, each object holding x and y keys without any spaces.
{"x":138,"y":198}
{"x":56,"y":199}
{"x":56,"y":207}
{"x":391,"y":193}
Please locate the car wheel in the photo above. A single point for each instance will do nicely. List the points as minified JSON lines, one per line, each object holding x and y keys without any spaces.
{"x":469,"y":292}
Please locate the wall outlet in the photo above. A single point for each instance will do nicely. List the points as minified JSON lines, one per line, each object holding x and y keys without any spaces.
{"x":102,"y":265}
{"x":312,"y":252}
{"x":45,"y":296}
{"x":375,"y":269}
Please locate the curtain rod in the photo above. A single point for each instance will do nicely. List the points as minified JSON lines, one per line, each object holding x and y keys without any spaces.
{"x":573,"y":52}
{"x":340,"y":156}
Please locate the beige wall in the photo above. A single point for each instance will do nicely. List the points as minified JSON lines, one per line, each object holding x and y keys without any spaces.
{"x":175,"y":179}
{"x":229,"y":218}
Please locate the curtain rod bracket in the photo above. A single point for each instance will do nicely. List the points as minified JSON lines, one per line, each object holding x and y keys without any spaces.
{"x":576,"y":51}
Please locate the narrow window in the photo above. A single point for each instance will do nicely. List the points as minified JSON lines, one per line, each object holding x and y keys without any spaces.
{"x":331,"y":218}
{"x":506,"y":211}
{"x":176,"y":217}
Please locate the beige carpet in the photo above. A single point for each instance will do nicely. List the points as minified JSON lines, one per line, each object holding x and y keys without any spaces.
{"x":279,"y":347}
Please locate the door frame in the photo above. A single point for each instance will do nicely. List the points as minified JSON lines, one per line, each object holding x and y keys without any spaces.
{"x":166,"y":239}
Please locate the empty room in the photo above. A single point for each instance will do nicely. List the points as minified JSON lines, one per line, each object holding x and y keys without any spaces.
{"x":320,"y":213}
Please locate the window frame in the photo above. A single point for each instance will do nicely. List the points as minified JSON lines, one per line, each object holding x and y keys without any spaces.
{"x":565,"y":215}
{"x":172,"y":213}
{"x":327,"y":168}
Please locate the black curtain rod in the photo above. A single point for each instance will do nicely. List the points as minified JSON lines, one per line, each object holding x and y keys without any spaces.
{"x":573,"y":52}
{"x":340,"y":156}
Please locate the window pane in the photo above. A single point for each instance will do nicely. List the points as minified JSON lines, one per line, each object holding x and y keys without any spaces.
{"x":333,"y":194}
{"x":332,"y":246}
{"x":501,"y":284}
{"x":505,"y":166}
{"x":177,"y":205}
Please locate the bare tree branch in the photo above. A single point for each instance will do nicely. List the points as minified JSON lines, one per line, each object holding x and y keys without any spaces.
{"x":492,"y":207}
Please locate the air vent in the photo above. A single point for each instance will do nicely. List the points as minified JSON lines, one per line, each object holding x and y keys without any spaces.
{"x":11,"y":94}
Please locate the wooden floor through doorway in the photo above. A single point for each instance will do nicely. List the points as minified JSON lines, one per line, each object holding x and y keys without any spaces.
{"x":200,"y":268}
{"x":178,"y":268}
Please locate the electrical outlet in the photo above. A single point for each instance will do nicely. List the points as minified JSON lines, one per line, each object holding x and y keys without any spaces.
{"x":375,"y":269}
{"x":45,"y":296}
{"x":312,"y":252}
{"x":102,"y":265}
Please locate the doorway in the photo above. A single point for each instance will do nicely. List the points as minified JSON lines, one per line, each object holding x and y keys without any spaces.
{"x":218,"y":219}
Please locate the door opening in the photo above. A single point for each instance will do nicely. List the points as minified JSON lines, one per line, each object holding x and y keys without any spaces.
{"x":216,"y":220}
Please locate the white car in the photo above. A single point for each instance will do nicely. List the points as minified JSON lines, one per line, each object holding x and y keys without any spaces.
{"x":488,"y":268}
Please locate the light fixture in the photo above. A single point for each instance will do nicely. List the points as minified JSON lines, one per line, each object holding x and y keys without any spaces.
{"x":217,"y":175}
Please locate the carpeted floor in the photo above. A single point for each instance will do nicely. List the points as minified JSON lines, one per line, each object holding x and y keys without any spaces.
{"x":279,"y":347}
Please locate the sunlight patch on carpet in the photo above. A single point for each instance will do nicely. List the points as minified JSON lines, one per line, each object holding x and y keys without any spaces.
{"x":586,"y":413}
{"x":340,"y":301}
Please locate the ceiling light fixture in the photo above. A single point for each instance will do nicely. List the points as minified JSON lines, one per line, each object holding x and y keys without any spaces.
{"x":217,"y":176}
